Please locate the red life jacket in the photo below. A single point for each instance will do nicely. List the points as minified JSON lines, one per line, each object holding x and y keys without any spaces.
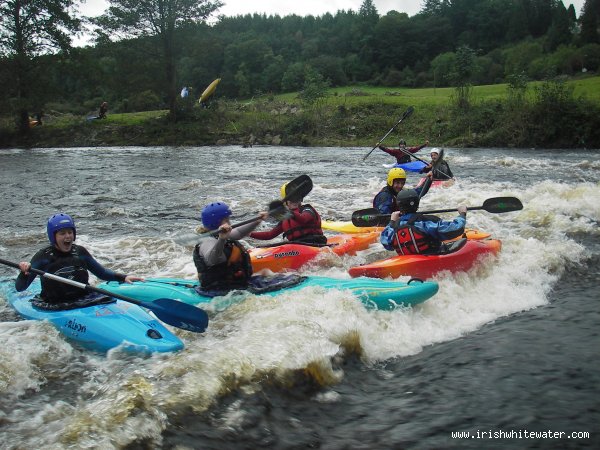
{"x":410,"y":241}
{"x":293,"y":231}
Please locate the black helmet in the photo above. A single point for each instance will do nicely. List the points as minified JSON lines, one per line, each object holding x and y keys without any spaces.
{"x":408,"y":200}
{"x":402,"y":142}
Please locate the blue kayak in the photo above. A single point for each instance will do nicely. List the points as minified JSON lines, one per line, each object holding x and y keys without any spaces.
{"x":413,"y":166}
{"x":373,"y":293}
{"x":99,"y":327}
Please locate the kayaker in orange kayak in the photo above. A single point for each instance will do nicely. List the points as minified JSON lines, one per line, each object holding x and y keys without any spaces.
{"x":304,"y":225}
{"x":442,"y":172}
{"x":411,"y":233}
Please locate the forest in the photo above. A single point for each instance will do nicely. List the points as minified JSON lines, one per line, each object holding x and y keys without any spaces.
{"x":140,"y":61}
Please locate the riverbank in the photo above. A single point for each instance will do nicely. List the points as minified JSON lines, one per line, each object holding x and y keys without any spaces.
{"x":553,"y":118}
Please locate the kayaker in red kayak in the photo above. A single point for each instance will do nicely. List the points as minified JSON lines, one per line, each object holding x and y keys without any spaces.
{"x":399,"y":154}
{"x":411,"y":233}
{"x":442,"y":172}
{"x":385,"y":200}
{"x":304,"y":225}
{"x":68,"y":260}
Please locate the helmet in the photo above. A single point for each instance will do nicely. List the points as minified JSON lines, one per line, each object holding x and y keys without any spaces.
{"x":408,"y":200}
{"x":435,"y":150}
{"x":213,"y":214}
{"x":394,"y":174}
{"x":282,"y":191}
{"x":402,"y":142}
{"x":58,"y":222}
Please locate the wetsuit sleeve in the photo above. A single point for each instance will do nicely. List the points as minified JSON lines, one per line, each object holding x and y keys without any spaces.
{"x":97,"y":269}
{"x":305,"y":217}
{"x":448,"y":171}
{"x":416,"y":149}
{"x":213,"y":251}
{"x":268,"y":234}
{"x":443,"y":229}
{"x":39,"y":261}
{"x":387,"y":236}
{"x":383,"y":202}
{"x":243,"y":231}
{"x":419,"y":189}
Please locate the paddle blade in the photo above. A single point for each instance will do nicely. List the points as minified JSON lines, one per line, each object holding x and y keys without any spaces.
{"x":178,"y":314}
{"x":298,"y":188}
{"x":502,"y":204}
{"x":369,"y":217}
{"x":407,"y":113}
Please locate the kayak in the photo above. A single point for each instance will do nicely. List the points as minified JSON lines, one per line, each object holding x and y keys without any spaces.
{"x":437,"y":183}
{"x":413,"y":166}
{"x":374,"y":294}
{"x":347,"y":227}
{"x":99,"y":327}
{"x":462,"y":256}
{"x":292,"y":256}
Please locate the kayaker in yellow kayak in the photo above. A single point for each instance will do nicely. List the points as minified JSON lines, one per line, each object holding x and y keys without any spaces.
{"x":385,"y":200}
{"x":411,"y":233}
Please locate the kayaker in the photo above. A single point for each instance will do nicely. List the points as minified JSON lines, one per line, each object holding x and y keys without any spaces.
{"x":442,"y":172}
{"x":304,"y":225}
{"x":64,"y":258}
{"x":221,"y":261}
{"x":385,"y":200}
{"x":410,"y":233}
{"x":400,"y":152}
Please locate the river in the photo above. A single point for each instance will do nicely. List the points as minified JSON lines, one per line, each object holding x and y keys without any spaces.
{"x":504,"y":352}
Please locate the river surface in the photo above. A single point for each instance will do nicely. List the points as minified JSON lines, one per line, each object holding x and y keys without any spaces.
{"x":512,"y":347}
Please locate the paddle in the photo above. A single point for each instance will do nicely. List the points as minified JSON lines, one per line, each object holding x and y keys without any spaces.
{"x":406,"y":114}
{"x":298,"y":187}
{"x":371,"y":217}
{"x":173,"y":312}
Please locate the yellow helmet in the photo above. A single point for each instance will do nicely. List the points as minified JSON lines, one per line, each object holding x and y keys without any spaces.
{"x":394,"y":174}
{"x":282,"y":190}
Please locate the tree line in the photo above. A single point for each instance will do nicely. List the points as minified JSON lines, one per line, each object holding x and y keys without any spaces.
{"x":146,"y":50}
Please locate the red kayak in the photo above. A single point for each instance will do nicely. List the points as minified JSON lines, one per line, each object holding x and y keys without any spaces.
{"x":462,"y":256}
{"x":292,"y":256}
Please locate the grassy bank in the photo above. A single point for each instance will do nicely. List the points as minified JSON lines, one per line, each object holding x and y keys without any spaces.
{"x":564,"y":115}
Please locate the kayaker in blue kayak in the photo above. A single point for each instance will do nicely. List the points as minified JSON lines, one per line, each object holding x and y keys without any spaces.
{"x":221,"y":261}
{"x":442,"y":172}
{"x":66,"y":259}
{"x":400,"y":152}
{"x":303,"y":225}
{"x":385,"y":200}
{"x":411,"y":233}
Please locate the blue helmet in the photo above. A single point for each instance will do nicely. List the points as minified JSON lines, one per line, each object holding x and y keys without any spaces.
{"x":58,"y":222}
{"x":213,"y":214}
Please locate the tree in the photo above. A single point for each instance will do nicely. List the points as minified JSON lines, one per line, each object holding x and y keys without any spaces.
{"x":590,"y":17}
{"x":29,"y":29}
{"x":159,"y":19}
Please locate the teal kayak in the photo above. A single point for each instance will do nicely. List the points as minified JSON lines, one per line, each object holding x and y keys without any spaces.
{"x":373,"y":293}
{"x":99,"y":327}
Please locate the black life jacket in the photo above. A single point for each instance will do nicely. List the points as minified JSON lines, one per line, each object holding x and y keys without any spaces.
{"x":293,"y":231}
{"x":410,"y":241}
{"x":67,"y":265}
{"x":234,"y":273}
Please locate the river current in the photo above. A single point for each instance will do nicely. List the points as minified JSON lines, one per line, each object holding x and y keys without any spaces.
{"x":507,"y":353}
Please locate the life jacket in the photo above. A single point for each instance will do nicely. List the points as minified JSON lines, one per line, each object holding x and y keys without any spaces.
{"x":411,"y":241}
{"x":293,"y":231}
{"x":67,"y":265}
{"x":231,"y":274}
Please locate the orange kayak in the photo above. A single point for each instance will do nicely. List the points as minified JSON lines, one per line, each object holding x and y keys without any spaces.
{"x":292,"y":256}
{"x":465,"y":256}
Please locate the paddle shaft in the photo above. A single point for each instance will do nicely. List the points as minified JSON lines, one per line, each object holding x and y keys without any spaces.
{"x":407,"y":113}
